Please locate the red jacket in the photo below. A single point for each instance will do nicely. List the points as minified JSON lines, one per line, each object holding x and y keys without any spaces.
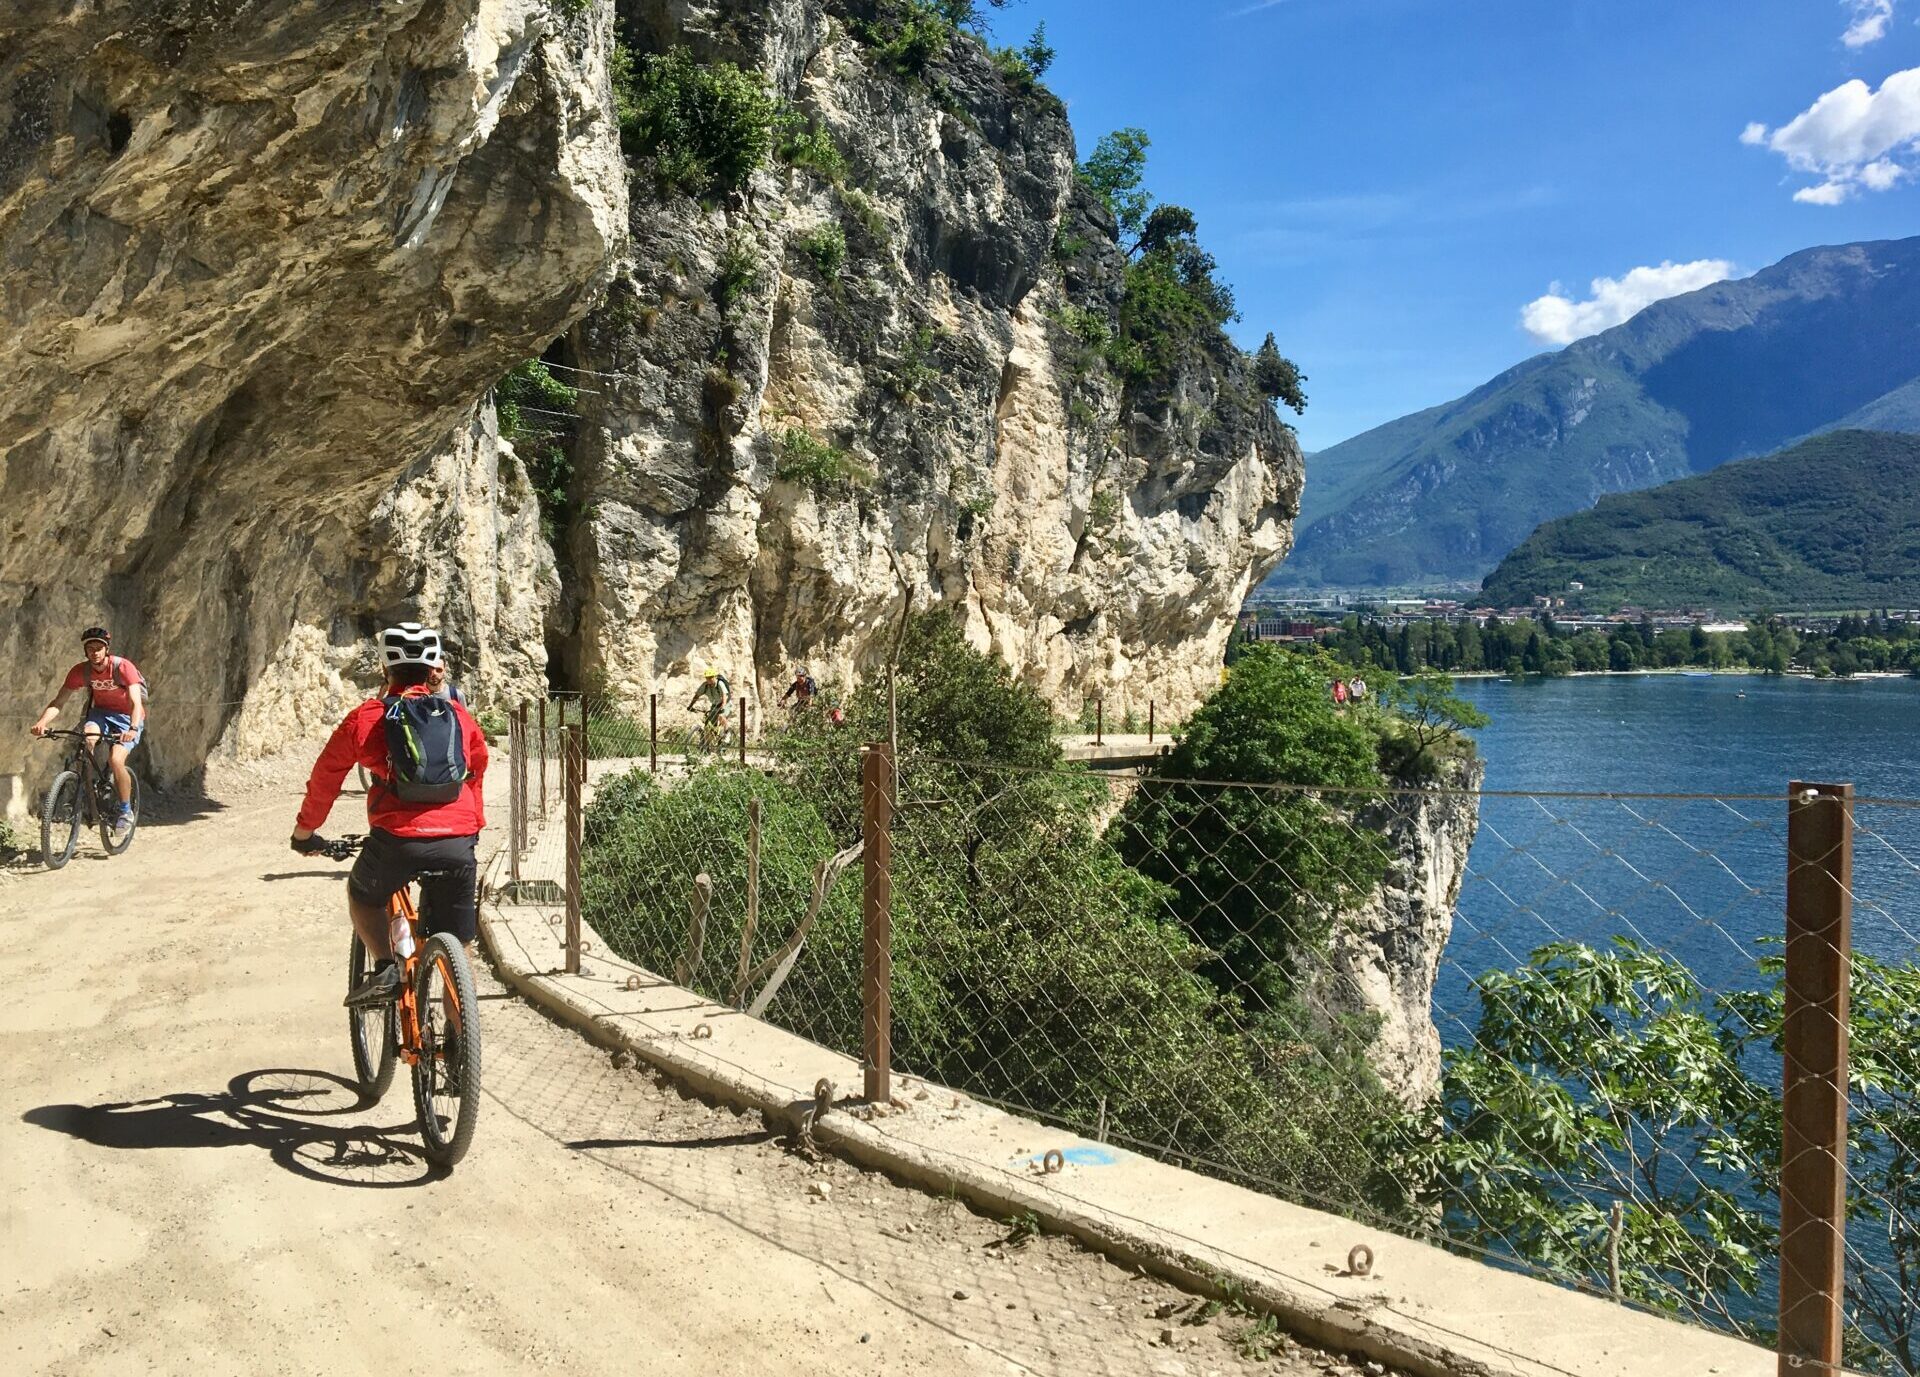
{"x":361,"y":740}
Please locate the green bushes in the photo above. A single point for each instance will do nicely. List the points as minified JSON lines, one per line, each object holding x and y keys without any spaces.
{"x":802,"y":143}
{"x":826,"y":245}
{"x":814,"y":464}
{"x":525,"y":402}
{"x":705,"y":125}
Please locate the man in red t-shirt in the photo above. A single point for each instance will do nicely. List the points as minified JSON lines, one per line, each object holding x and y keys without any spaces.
{"x":407,"y":838}
{"x":116,"y":711}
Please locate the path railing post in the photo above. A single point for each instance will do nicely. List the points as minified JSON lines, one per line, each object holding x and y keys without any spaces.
{"x":876,"y":966}
{"x":516,"y":762}
{"x":520,"y":755}
{"x":653,"y":733}
{"x":1150,"y":706}
{"x":743,"y":729}
{"x":1813,"y":1150}
{"x":1099,"y":721}
{"x":543,"y":758}
{"x":576,"y":775}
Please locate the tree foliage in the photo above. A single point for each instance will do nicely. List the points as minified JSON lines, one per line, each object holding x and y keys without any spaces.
{"x":1114,"y":171}
{"x":1258,"y":874}
{"x":533,"y":407}
{"x":705,"y":125}
{"x":1278,"y":378}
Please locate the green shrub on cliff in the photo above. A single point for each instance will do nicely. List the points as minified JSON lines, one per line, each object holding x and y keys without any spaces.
{"x":528,"y":402}
{"x":705,"y":125}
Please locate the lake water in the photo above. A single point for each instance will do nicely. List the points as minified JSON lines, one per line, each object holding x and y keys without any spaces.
{"x":1703,"y":879}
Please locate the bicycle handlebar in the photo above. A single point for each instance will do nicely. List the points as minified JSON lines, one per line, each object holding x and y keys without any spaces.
{"x":339,"y":849}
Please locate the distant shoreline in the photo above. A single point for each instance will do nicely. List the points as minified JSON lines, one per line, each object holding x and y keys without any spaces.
{"x":1742,"y":672}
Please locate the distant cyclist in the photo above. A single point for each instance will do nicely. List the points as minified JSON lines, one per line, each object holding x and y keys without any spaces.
{"x":116,"y":711}
{"x":716,"y":693}
{"x":801,"y":690}
{"x":428,"y":759}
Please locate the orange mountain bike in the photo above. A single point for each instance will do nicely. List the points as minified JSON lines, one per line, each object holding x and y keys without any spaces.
{"x":433,"y":1026}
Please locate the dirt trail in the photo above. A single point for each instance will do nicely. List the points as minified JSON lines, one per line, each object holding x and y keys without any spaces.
{"x":186,"y":1182}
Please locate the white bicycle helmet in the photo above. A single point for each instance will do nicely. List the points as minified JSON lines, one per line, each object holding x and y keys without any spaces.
{"x":410,"y":644}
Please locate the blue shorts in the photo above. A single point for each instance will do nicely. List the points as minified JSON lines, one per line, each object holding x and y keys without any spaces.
{"x":111,"y":724}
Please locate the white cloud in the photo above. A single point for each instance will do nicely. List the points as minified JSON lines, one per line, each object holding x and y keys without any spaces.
{"x":1870,"y":20}
{"x":1852,"y":137}
{"x":1557,"y":319}
{"x":1826,"y":194}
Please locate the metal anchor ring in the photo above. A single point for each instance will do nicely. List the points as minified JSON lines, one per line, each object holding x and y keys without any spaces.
{"x":822,"y":1096}
{"x":701,"y":1030}
{"x":1360,"y":1260}
{"x":633,"y":982}
{"x":1053,"y":1161}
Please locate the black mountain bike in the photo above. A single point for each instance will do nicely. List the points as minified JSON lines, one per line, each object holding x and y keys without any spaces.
{"x":82,"y":795}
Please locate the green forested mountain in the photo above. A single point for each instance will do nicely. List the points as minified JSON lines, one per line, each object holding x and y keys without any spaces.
{"x":1824,"y":338}
{"x":1833,"y":522}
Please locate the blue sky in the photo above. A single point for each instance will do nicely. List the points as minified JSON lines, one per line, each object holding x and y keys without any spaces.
{"x":1388,"y":183}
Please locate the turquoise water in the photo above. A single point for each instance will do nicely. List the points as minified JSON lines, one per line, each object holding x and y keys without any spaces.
{"x":1703,"y":879}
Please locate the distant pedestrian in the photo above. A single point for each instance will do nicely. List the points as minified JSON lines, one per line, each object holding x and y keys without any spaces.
{"x":1339,"y":693}
{"x":1357,"y":690}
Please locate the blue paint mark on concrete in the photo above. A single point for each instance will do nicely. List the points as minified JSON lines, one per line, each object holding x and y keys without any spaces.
{"x":1082,"y":1155}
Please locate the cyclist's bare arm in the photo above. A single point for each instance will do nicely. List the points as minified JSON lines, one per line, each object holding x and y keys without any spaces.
{"x":53,"y":711}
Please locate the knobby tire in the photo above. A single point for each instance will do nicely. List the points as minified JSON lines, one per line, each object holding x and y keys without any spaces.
{"x":370,"y":1032}
{"x":60,"y":813}
{"x":446,"y":1064}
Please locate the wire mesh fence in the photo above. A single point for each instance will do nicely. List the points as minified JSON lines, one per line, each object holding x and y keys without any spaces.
{"x":1546,"y":1029}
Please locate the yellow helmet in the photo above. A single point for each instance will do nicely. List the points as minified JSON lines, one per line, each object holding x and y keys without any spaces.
{"x":710,"y":672}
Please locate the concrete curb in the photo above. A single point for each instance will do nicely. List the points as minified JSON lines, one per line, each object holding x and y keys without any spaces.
{"x":1478,"y":1322}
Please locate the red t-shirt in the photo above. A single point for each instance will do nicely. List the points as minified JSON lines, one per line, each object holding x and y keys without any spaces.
{"x":108,"y":695}
{"x":360,"y":739}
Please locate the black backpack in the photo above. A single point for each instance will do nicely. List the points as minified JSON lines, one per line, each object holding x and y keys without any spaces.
{"x":426,"y":749}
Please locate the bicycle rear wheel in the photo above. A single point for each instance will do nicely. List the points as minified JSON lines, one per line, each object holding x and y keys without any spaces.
{"x":111,"y":799}
{"x":60,"y":820}
{"x":370,"y":1031}
{"x":446,"y":1078}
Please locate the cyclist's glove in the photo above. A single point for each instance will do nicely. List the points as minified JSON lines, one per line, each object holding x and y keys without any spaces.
{"x":312,"y":846}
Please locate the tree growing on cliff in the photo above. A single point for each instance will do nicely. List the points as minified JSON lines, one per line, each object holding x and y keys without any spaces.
{"x":1278,"y":377}
{"x":1114,"y":171}
{"x":705,"y":125}
{"x":1260,"y":864}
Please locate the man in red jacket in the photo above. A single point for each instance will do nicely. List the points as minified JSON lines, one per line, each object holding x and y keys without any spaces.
{"x":408,"y":838}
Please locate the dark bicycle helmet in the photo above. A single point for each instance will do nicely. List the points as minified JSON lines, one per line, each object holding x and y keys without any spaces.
{"x":96,"y":633}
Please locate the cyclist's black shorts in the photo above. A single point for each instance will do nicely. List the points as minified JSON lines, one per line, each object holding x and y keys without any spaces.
{"x":448,"y":896}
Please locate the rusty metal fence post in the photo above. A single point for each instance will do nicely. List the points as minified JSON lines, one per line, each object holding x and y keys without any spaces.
{"x":1099,"y":721}
{"x":516,"y":762}
{"x":653,"y":733}
{"x":520,"y":753}
{"x":1150,"y":707}
{"x":1813,"y":1149}
{"x":543,"y":759}
{"x":743,"y":729}
{"x":576,"y":775}
{"x":876,"y":964}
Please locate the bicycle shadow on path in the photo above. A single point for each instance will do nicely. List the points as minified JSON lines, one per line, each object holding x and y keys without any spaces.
{"x":301,"y":1119}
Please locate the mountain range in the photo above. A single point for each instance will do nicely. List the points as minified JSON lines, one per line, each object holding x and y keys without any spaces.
{"x":1831,"y":523}
{"x":1825,"y":338}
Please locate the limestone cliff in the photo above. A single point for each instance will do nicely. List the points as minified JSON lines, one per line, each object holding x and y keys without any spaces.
{"x":260,"y":261}
{"x":968,"y":446}
{"x":1386,"y":951}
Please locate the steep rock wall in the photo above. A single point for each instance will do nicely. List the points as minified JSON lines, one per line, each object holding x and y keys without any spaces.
{"x":1101,"y":539}
{"x":1386,"y":952}
{"x":259,"y":262}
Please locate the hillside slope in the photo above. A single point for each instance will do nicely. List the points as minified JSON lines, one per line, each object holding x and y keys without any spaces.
{"x":1833,"y":522}
{"x":1687,"y":384}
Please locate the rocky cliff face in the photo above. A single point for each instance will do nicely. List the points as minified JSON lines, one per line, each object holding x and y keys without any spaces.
{"x":259,"y":262}
{"x":782,"y":450}
{"x":1386,"y":952}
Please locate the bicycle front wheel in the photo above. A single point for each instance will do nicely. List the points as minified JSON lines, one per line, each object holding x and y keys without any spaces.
{"x":110,"y":800}
{"x":60,"y":820}
{"x":370,"y":1031}
{"x":446,"y":1078}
